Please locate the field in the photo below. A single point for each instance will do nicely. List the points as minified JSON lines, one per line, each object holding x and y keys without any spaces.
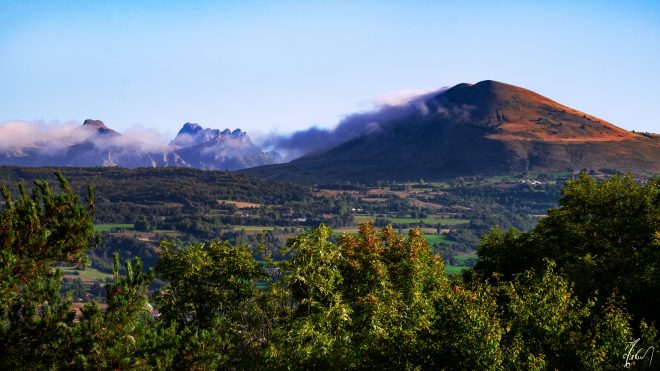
{"x":345,"y":230}
{"x":111,"y":227}
{"x":252,"y":228}
{"x":452,"y":215}
{"x":432,"y":239}
{"x":88,"y":275}
{"x":453,"y":270}
{"x":428,"y":220}
{"x":465,"y":257}
{"x":241,"y":204}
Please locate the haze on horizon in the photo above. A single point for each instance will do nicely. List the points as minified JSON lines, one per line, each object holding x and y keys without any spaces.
{"x":286,"y":66}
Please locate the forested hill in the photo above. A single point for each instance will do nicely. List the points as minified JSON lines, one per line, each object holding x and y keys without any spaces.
{"x":159,"y":185}
{"x":169,"y":184}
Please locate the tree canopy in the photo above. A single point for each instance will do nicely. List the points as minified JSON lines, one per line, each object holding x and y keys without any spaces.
{"x":604,"y":236}
{"x":375,"y":299}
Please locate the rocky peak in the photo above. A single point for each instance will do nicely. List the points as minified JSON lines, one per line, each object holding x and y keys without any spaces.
{"x":190,"y":128}
{"x":194,"y":134}
{"x":99,"y":127}
{"x":94,"y":124}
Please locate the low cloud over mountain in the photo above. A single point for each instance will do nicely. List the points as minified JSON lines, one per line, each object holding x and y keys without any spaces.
{"x":389,"y":110}
{"x":20,"y":136}
{"x":94,"y":144}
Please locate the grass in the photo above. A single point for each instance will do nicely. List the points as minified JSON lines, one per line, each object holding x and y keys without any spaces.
{"x":87,"y":275}
{"x":165,"y":231}
{"x":446,"y":221}
{"x":464,"y":258}
{"x":431,"y":220}
{"x":240,"y":204}
{"x":345,"y":230}
{"x":110,"y":227}
{"x":252,"y":228}
{"x":434,"y":238}
{"x":453,"y":270}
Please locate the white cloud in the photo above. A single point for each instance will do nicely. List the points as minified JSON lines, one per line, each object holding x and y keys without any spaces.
{"x":405,"y":96}
{"x":50,"y":139}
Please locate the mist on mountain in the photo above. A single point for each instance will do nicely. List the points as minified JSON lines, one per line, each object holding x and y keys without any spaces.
{"x":315,"y":139}
{"x":94,"y":144}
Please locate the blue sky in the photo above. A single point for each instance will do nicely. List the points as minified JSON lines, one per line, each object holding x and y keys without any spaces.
{"x":288,"y":65}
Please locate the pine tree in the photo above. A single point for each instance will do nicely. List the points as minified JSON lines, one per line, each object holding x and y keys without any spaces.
{"x":36,"y":231}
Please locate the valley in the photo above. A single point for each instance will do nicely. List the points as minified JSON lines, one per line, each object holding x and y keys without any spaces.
{"x":257,"y":244}
{"x":136,"y":209}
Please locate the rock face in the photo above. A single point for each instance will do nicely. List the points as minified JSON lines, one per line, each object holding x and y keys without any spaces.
{"x":212,"y":149}
{"x":489,"y":128}
{"x":94,"y":144}
{"x":98,"y":127}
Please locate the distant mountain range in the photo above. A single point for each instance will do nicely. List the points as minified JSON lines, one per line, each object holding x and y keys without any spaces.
{"x":489,"y":128}
{"x":94,"y":144}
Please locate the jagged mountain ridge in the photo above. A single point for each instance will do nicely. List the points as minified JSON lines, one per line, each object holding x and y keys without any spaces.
{"x":205,"y":148}
{"x":192,"y":134}
{"x":94,"y":144}
{"x":489,"y":128}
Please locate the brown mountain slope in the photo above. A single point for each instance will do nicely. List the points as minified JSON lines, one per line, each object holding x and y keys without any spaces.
{"x":489,"y":128}
{"x":521,"y":114}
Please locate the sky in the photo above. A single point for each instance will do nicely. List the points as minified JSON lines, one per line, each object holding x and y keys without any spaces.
{"x":282,"y":66}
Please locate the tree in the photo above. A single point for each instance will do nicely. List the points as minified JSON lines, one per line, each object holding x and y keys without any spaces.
{"x":123,"y":335}
{"x":604,"y":237}
{"x":366,"y":301}
{"x":392,"y":283}
{"x":313,"y":330}
{"x":375,"y":299}
{"x":37,"y":230}
{"x":37,"y":326}
{"x":211,"y":296}
{"x":142,"y":224}
{"x":467,"y":330}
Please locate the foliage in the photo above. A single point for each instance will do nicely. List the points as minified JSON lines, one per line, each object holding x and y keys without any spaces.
{"x":392,"y":284}
{"x":315,"y":318}
{"x":123,"y":335}
{"x":372,"y":300}
{"x":36,"y":231}
{"x":467,"y":331}
{"x":603,"y":237}
{"x":544,"y":321}
{"x":211,"y":296}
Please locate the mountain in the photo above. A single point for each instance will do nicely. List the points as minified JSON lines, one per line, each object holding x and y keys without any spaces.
{"x":98,"y":128}
{"x":107,"y":147}
{"x":212,"y":149}
{"x":489,"y":128}
{"x":94,"y":144}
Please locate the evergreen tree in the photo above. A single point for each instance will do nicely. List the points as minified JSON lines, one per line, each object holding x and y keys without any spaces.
{"x":124,"y":334}
{"x":36,"y":231}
